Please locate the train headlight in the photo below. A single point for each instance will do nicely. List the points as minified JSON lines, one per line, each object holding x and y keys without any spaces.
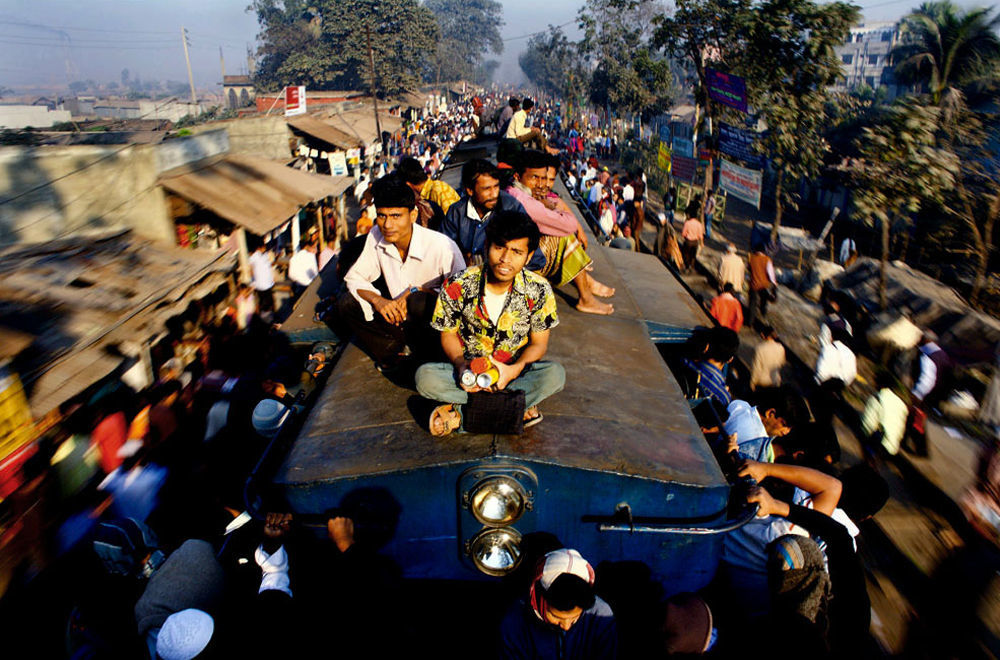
{"x":498,"y":501}
{"x":496,"y":551}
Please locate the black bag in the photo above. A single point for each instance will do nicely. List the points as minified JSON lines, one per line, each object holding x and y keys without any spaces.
{"x":494,"y":412}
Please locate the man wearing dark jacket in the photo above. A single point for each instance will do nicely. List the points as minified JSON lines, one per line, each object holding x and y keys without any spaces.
{"x":563,"y":618}
{"x":467,"y":219}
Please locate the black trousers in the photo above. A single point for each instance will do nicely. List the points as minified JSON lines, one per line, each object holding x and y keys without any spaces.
{"x":385,"y":341}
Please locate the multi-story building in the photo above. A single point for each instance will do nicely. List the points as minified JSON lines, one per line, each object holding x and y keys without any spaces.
{"x":865,"y":58}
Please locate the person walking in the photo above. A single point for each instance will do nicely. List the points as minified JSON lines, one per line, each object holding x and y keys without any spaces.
{"x":763,"y":285}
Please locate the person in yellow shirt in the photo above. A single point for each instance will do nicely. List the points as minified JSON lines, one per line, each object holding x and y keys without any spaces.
{"x":437,"y":195}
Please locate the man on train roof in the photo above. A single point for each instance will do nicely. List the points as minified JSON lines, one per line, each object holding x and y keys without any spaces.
{"x":499,"y":311}
{"x":409,"y":262}
{"x":468,"y":218}
{"x":563,"y":240}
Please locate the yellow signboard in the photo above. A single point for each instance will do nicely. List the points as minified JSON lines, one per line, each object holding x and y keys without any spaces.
{"x":663,"y":157}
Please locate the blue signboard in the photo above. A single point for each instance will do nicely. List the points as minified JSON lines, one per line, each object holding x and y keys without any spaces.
{"x":727,"y":89}
{"x":683,"y":146}
{"x":738,"y":143}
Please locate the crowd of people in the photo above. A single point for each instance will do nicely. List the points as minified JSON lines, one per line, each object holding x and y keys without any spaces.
{"x":451,"y":292}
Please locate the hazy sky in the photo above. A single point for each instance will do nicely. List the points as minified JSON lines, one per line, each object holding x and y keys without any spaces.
{"x":46,"y":43}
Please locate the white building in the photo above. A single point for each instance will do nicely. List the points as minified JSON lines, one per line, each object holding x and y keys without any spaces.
{"x":865,"y":58}
{"x":36,"y":116}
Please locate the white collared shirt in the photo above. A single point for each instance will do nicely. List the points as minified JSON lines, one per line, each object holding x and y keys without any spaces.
{"x":302,"y":267}
{"x":432,"y":257}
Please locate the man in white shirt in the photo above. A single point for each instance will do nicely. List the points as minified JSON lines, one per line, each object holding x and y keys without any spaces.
{"x":303,"y":268}
{"x":518,"y":128}
{"x":410,"y":262}
{"x":262,"y":274}
{"x":836,"y":368}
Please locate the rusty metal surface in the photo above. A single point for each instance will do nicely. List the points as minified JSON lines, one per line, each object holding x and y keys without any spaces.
{"x":621,"y":410}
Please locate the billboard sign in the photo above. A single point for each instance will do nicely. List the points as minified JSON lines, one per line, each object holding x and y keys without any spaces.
{"x":738,"y":143}
{"x":295,"y":101}
{"x":741,"y":182}
{"x":683,"y":167}
{"x":663,"y":157}
{"x":727,"y":89}
{"x":683,"y":146}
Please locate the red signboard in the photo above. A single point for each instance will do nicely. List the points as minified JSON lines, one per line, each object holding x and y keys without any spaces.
{"x":295,"y":100}
{"x":682,"y":167}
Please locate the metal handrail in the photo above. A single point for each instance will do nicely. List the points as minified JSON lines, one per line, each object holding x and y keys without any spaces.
{"x":746,"y":516}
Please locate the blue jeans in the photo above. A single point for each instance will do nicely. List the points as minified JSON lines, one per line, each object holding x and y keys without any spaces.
{"x":538,"y":381}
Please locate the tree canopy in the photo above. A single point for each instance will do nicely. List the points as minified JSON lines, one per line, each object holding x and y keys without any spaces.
{"x":469,"y":30}
{"x":323,"y":43}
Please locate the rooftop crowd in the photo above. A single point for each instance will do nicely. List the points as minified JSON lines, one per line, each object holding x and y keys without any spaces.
{"x":451,"y":292}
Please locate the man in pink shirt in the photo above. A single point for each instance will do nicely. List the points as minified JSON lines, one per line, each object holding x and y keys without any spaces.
{"x":693,"y":234}
{"x":563,"y":241}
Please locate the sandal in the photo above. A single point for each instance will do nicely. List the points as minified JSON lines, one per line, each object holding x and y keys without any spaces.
{"x":531,"y":421}
{"x":444,"y":420}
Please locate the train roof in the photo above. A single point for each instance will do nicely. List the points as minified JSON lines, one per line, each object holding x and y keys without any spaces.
{"x":621,"y":410}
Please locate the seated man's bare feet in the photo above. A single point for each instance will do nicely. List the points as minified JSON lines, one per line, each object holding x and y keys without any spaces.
{"x":602,"y":290}
{"x":341,"y":532}
{"x":595,"y":307}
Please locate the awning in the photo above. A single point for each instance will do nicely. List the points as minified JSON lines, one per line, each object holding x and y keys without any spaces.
{"x":323,"y":131}
{"x":361,"y":123}
{"x":255,"y":193}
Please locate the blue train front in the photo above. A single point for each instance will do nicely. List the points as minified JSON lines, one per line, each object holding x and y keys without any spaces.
{"x":618,"y":469}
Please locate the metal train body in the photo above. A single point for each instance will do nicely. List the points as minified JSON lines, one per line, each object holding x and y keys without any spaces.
{"x":618,"y":469}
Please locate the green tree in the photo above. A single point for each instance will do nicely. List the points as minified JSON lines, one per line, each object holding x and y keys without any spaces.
{"x":702,"y":34}
{"x":789,"y":64}
{"x":900,"y":170}
{"x":948,"y":50}
{"x":628,"y":75}
{"x":553,"y":64}
{"x":323,"y":44}
{"x":469,"y":29}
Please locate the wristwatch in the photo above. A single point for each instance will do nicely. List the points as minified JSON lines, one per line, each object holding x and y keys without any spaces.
{"x":414,"y":289}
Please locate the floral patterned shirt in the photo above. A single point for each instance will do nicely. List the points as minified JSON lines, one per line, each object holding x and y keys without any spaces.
{"x":530,"y":307}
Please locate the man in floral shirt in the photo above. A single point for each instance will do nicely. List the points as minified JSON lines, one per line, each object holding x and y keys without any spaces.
{"x":498,"y":311}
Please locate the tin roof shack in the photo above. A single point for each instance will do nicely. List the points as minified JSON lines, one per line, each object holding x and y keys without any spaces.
{"x":94,"y":304}
{"x":215,"y":195}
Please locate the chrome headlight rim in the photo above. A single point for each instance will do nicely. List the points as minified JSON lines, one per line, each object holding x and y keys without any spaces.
{"x":508,"y":488}
{"x":511,"y":544}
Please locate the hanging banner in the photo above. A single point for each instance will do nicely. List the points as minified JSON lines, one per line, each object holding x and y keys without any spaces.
{"x":682,"y":167}
{"x":295,"y":101}
{"x":683,"y":146}
{"x":663,"y":157}
{"x":727,"y":89}
{"x":664,"y":132}
{"x":741,"y":182}
{"x":353,"y":156}
{"x":338,"y":163}
{"x":738,"y":143}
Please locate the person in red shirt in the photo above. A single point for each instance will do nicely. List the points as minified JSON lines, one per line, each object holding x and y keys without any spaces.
{"x":727,"y":310}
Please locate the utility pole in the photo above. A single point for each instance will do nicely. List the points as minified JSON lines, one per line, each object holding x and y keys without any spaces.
{"x":222,"y":61}
{"x":371,"y":62}
{"x":187,"y":58}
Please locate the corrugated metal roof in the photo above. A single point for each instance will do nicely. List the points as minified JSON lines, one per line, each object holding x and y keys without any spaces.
{"x":255,"y":193}
{"x":81,"y":296}
{"x":323,"y":131}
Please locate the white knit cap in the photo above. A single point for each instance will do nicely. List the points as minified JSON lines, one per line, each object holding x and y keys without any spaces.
{"x":565,"y":560}
{"x":184,"y":635}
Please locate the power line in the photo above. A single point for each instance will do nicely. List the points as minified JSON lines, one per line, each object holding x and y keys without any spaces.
{"x":68,"y":41}
{"x":89,"y":47}
{"x":81,"y":29}
{"x":532,"y":34}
